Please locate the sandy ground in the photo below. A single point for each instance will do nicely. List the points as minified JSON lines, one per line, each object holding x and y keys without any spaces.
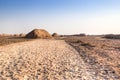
{"x":102,"y":56}
{"x":42,"y":60}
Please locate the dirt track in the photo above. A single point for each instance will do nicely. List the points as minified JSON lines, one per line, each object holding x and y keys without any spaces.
{"x":41,"y":60}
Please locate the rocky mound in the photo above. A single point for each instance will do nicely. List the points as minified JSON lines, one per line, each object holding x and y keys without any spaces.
{"x":38,"y":33}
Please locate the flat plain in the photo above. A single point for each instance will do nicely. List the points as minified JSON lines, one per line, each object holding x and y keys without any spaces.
{"x":63,"y":58}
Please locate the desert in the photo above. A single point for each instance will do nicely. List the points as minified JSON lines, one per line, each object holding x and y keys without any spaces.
{"x":59,"y":39}
{"x":60,"y":58}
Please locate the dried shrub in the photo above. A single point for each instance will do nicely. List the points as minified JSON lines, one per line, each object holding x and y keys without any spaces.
{"x":16,"y":35}
{"x":82,"y":34}
{"x":112,"y":36}
{"x":55,"y":35}
{"x":22,"y":35}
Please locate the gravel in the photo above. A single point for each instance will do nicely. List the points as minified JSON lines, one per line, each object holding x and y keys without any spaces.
{"x":101,"y":56}
{"x":42,"y":60}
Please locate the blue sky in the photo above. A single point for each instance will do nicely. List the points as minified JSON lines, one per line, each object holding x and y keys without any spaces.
{"x":61,"y":16}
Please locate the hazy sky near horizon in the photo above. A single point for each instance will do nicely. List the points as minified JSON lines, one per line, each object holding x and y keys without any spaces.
{"x":61,"y":16}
